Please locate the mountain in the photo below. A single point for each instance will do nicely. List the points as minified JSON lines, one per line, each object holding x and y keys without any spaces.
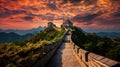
{"x":103,"y":46}
{"x":10,"y":37}
{"x":109,"y":34}
{"x":27,"y":53}
{"x":23,"y":32}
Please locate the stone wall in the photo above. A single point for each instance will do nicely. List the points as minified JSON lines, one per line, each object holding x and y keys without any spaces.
{"x":91,"y":59}
{"x":42,"y":61}
{"x":52,"y":47}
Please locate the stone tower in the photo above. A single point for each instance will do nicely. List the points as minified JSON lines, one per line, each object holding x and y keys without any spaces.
{"x":67,"y":24}
{"x":50,"y":24}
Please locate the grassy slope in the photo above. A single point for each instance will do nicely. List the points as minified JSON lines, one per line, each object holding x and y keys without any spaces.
{"x":25,"y":53}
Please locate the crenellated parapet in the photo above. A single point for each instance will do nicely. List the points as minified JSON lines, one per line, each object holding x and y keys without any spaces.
{"x":91,"y":59}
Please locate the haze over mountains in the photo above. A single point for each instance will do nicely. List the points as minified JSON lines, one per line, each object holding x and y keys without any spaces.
{"x":23,"y":32}
{"x":20,"y":35}
{"x":17,"y":35}
{"x":109,"y":34}
{"x":12,"y":37}
{"x":105,"y":33}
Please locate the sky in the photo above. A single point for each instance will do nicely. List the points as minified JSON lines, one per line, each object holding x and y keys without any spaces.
{"x":90,"y":15}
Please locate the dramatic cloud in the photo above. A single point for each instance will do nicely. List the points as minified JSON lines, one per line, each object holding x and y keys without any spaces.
{"x":87,"y":14}
{"x":87,"y":18}
{"x":8,"y":13}
{"x":116,"y":14}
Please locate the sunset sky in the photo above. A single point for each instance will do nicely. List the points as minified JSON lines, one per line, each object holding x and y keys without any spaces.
{"x":90,"y":15}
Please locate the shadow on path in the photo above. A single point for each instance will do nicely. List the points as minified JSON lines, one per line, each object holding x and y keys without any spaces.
{"x":63,"y":57}
{"x":56,"y":60}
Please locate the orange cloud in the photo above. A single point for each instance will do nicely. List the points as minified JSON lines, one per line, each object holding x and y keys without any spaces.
{"x":32,"y":13}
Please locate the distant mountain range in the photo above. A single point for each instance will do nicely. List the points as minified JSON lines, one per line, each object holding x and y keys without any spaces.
{"x":23,"y":32}
{"x":109,"y":34}
{"x":10,"y":37}
{"x":17,"y":35}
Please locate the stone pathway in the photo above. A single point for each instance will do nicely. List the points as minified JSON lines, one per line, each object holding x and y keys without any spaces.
{"x":64,"y":57}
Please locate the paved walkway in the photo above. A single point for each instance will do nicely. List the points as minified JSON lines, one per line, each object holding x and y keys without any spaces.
{"x":64,"y":57}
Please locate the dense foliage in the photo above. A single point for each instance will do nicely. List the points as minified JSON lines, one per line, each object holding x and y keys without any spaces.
{"x":11,"y":37}
{"x":101,"y":45}
{"x":24,"y":54}
{"x":49,"y":34}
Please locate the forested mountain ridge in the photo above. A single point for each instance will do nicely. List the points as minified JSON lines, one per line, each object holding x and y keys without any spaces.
{"x":23,"y":32}
{"x":100,"y":45}
{"x":12,"y":37}
{"x":25,"y":53}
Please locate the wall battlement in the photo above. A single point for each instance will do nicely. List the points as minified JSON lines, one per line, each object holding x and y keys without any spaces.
{"x":52,"y":47}
{"x":91,"y":59}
